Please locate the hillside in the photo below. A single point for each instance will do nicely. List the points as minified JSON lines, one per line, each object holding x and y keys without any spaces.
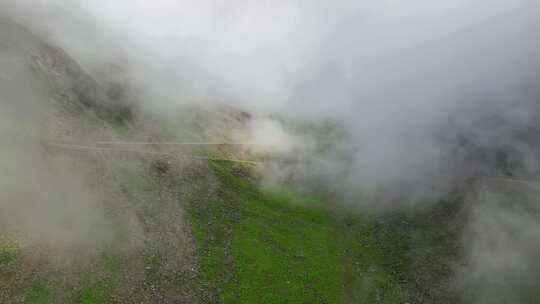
{"x":173,"y":229}
{"x":104,"y":201}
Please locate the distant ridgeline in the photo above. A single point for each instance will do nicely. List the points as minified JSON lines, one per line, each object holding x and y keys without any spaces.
{"x":495,"y":141}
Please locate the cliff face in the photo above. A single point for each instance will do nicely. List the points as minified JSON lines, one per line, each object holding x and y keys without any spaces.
{"x":54,"y":76}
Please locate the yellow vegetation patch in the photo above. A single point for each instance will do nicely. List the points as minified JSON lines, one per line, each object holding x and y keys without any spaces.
{"x":10,"y":244}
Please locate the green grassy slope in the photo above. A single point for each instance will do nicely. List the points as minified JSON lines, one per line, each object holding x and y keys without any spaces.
{"x":252,"y":245}
{"x":261,"y":246}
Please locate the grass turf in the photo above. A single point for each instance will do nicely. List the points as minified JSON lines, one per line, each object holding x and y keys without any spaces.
{"x":261,"y":246}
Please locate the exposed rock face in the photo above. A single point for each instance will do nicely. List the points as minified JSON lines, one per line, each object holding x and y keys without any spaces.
{"x":73,"y":88}
{"x":55,"y":74}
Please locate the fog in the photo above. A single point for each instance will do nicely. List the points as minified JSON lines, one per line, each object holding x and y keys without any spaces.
{"x":42,"y":197}
{"x":426,"y":94}
{"x":501,"y":243}
{"x":394,"y":73}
